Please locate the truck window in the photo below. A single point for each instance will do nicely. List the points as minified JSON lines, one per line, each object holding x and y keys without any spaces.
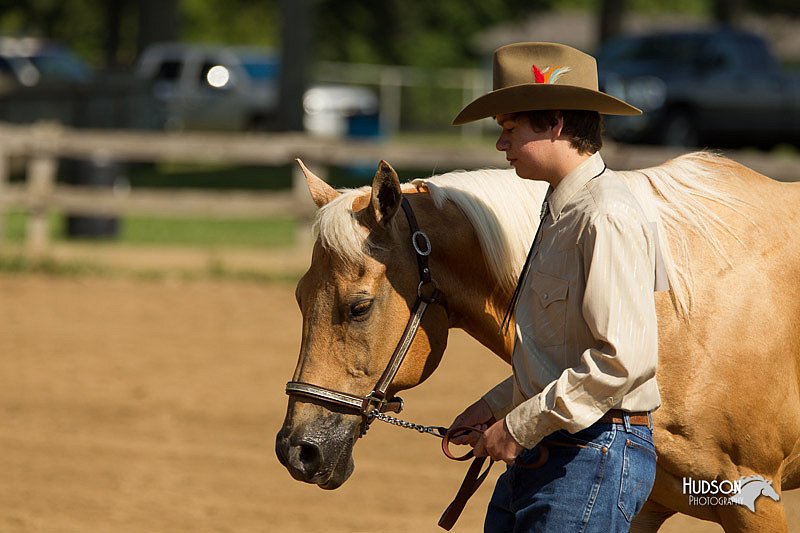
{"x":719,"y":55}
{"x":169,"y":71}
{"x":755,"y":55}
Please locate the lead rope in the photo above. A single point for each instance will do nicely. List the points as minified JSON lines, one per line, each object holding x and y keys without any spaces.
{"x":476,"y":474}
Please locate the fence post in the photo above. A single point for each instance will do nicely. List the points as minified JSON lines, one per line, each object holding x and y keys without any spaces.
{"x":41,"y":180}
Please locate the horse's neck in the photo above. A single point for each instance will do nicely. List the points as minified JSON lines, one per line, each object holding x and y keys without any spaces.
{"x":475,"y":302}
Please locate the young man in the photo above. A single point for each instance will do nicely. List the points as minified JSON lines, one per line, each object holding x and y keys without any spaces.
{"x":573,"y":421}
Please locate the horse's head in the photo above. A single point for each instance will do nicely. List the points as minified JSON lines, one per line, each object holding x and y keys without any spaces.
{"x":768,"y":490}
{"x":355,"y":299}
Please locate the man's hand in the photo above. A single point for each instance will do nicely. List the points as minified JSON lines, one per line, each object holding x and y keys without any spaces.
{"x":498,"y":443}
{"x":477,"y":415}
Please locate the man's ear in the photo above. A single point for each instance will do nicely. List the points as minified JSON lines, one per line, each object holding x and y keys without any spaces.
{"x":558,"y":127}
{"x":386,"y":194}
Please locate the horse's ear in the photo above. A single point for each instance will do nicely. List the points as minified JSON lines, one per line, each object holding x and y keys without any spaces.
{"x":386,"y":194}
{"x":321,"y":192}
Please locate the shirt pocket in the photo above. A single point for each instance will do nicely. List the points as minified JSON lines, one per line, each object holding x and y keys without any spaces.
{"x":549,"y":309}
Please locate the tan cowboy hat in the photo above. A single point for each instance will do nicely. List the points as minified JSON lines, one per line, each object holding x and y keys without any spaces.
{"x":538,"y":76}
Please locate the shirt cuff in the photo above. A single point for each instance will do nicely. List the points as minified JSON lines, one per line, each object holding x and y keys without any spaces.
{"x":526,"y":425}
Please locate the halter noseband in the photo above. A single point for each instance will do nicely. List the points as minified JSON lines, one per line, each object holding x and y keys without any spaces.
{"x":376,"y":402}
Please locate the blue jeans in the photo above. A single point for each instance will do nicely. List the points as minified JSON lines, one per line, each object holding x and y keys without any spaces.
{"x":595,"y":480}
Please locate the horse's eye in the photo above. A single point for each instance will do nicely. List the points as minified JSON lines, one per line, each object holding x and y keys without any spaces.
{"x":360,"y":308}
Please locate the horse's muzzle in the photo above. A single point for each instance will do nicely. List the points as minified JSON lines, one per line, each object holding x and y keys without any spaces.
{"x":316,"y":457}
{"x":302,"y":458}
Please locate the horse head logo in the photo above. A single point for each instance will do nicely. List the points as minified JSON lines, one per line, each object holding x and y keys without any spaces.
{"x":751,"y":488}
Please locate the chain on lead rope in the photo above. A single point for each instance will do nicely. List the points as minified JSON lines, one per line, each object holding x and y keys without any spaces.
{"x":436,"y":431}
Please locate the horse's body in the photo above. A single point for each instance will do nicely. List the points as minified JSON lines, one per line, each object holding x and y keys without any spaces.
{"x":729,"y":339}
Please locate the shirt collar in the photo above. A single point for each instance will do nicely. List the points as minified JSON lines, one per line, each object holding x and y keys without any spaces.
{"x":573,"y":182}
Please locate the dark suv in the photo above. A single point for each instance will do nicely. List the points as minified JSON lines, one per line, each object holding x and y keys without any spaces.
{"x":721,"y":88}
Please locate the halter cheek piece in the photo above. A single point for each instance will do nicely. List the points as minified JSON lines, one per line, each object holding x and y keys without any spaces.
{"x":375,"y":403}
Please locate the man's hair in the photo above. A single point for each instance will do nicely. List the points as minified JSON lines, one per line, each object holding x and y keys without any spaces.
{"x":584,"y":128}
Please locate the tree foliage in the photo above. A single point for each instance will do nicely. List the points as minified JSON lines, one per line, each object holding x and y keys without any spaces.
{"x":406,"y":32}
{"x":411,"y":32}
{"x":232,"y":21}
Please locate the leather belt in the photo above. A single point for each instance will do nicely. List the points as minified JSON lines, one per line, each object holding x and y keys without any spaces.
{"x":615,"y":416}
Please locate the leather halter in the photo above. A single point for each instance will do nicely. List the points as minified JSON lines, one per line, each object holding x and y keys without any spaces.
{"x":375,"y":402}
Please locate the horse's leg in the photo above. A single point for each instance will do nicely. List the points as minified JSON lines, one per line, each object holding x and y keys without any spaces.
{"x":770,"y":517}
{"x":790,"y":479}
{"x":791,"y":476}
{"x":650,"y":518}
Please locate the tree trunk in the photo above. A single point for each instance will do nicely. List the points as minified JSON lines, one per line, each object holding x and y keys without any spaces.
{"x":113,"y":17}
{"x":159,"y":21}
{"x":296,"y":23}
{"x":611,"y":14}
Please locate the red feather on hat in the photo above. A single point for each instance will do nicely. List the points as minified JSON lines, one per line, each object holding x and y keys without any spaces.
{"x":537,"y":74}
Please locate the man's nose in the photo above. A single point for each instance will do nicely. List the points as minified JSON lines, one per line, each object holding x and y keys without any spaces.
{"x":502,"y":143}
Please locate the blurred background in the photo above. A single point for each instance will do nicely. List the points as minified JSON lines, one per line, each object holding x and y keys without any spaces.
{"x":144,"y":97}
{"x":152,"y":224}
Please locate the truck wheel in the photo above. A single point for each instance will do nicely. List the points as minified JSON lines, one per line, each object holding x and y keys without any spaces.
{"x":680,"y":131}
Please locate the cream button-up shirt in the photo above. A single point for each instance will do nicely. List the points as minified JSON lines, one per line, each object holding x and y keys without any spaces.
{"x":586,"y":332}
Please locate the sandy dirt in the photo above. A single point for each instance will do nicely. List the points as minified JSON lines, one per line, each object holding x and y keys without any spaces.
{"x":152,"y":406}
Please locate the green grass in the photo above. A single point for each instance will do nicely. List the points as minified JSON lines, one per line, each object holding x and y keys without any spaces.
{"x":258,"y":233}
{"x":209,"y":176}
{"x":203,"y":232}
{"x":189,"y":232}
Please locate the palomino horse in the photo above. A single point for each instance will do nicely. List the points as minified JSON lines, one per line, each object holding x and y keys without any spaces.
{"x":729,"y":338}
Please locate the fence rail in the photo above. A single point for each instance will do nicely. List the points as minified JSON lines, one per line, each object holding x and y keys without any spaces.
{"x":42,"y":145}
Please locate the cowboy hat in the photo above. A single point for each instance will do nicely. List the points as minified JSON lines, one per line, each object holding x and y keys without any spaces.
{"x":539,"y":76}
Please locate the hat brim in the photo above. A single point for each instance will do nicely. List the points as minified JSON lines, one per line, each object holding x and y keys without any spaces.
{"x":538,"y":96}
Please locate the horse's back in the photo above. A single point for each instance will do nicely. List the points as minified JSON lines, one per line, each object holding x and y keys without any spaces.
{"x":730,"y":369}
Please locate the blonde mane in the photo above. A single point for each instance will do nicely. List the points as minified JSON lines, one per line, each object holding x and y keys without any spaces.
{"x":671,"y":195}
{"x":338,"y":230}
{"x":504,"y":212}
{"x":502,"y":208}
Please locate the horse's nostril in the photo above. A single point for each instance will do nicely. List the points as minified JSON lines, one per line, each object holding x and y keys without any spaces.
{"x":309,"y":457}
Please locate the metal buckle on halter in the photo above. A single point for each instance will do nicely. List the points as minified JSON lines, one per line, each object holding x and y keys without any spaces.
{"x":427,"y":242}
{"x":434,"y":295}
{"x":372,"y":402}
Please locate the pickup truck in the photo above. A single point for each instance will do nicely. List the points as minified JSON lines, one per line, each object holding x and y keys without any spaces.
{"x":235,"y":88}
{"x":701,"y":88}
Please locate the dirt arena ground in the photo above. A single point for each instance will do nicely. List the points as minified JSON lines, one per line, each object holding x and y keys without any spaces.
{"x":151,"y":406}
